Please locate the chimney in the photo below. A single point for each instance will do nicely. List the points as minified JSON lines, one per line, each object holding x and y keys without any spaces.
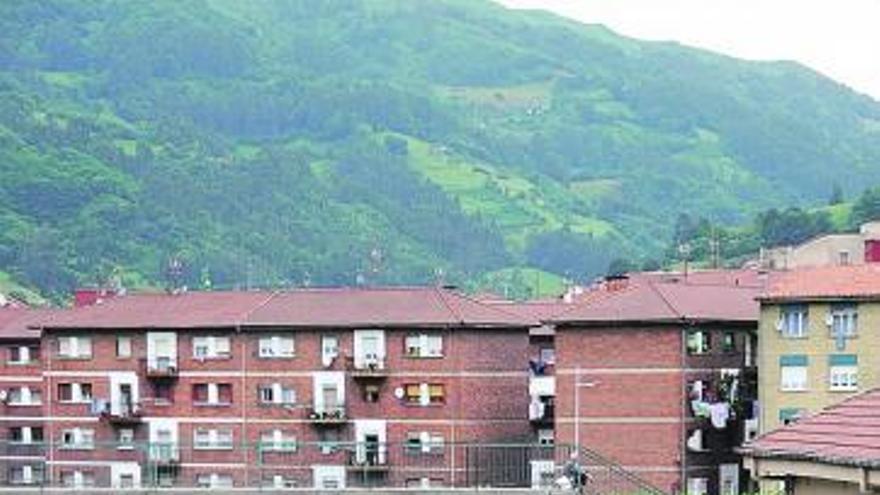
{"x":89,"y":296}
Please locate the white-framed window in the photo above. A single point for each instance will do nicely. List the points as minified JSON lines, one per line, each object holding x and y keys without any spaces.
{"x":211,"y":347}
{"x":844,"y":320}
{"x":793,"y":373}
{"x":23,"y":354}
{"x":24,"y":396}
{"x":424,"y":394}
{"x":548,"y":355}
{"x":26,"y":474}
{"x":424,"y":442}
{"x":75,"y":347}
{"x":546,"y":436}
{"x":793,"y":321}
{"x":276,"y":393}
{"x":77,"y":479}
{"x":123,"y":346}
{"x":212,"y":439}
{"x":25,"y":435}
{"x":276,"y":346}
{"x":698,"y":342}
{"x":843,"y":372}
{"x":125,"y":439}
{"x":214,"y":480}
{"x":329,"y":349}
{"x":212,"y":394}
{"x":278,"y":440}
{"x":75,"y":393}
{"x":78,"y":439}
{"x":424,"y":345}
{"x":697,"y":486}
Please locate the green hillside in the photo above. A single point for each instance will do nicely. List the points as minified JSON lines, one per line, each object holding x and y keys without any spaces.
{"x":285,"y":142}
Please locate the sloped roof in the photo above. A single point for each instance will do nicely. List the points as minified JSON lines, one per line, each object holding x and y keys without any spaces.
{"x":342,"y":307}
{"x":390,"y":306}
{"x":161,"y":310}
{"x":15,"y":322}
{"x":646,"y":300}
{"x":846,"y":433}
{"x":540,"y":310}
{"x":827,"y":282}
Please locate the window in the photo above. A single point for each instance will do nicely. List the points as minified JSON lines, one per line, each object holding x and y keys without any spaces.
{"x":163,"y":393}
{"x":424,"y":394}
{"x":212,"y":347}
{"x":371,"y":393}
{"x":212,"y":394}
{"x":790,"y":415}
{"x":424,"y":346}
{"x":77,"y":479}
{"x":793,"y":376}
{"x":843,"y":257}
{"x":75,"y":347}
{"x":276,"y":347}
{"x":75,"y":393}
{"x":25,"y":396}
{"x":698,"y":342}
{"x":22,"y":354}
{"x":214,"y":480}
{"x":728,"y":342}
{"x":546,"y":436}
{"x":25,"y":474}
{"x":125,"y":439}
{"x":123,"y":347}
{"x":329,"y":349}
{"x":843,"y":372}
{"x":278,"y":440}
{"x":212,"y":439}
{"x":424,"y":442}
{"x":548,"y":355}
{"x":844,"y":320}
{"x":78,"y":438}
{"x":26,"y":435}
{"x":276,"y":394}
{"x":793,"y":321}
{"x":697,"y":486}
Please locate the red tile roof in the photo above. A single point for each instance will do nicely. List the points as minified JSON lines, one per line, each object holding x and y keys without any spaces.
{"x":15,"y":322}
{"x":828,"y":282}
{"x":738,"y":277}
{"x":646,"y":300}
{"x":846,"y":433}
{"x":161,"y":310}
{"x":343,"y":307}
{"x":540,"y":310}
{"x":392,"y":306}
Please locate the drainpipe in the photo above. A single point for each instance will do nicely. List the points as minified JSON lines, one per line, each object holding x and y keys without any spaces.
{"x":683,"y":413}
{"x":244,"y":405}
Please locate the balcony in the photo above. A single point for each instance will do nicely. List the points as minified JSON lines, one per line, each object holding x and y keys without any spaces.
{"x":542,"y":411}
{"x":369,"y":457}
{"x":164,"y":454}
{"x":123,"y":415}
{"x":328,"y":416}
{"x":160,"y":368}
{"x":367,"y":368}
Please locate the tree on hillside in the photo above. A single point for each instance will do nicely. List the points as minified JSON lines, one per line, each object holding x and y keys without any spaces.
{"x":567,"y":253}
{"x":836,"y":195}
{"x":867,"y":207}
{"x":791,"y":226}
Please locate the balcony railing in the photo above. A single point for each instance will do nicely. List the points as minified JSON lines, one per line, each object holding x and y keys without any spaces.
{"x":122,"y":414}
{"x":164,"y":453}
{"x":368,"y":367}
{"x":160,"y":367}
{"x":328,"y":415}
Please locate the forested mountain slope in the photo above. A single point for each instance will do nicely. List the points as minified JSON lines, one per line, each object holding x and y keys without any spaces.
{"x":284,"y":142}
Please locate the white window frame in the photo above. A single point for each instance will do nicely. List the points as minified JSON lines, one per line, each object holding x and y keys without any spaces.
{"x":843,"y":378}
{"x":213,"y":439}
{"x":277,"y":347}
{"x":123,"y":346}
{"x":215,"y":347}
{"x":794,"y":321}
{"x":424,"y":345}
{"x":278,"y":440}
{"x":844,"y":320}
{"x":214,"y":480}
{"x":74,"y":347}
{"x":83,"y":439}
{"x":27,"y":396}
{"x":794,"y":378}
{"x":77,"y":395}
{"x":125,"y":439}
{"x":697,"y":486}
{"x":24,"y":355}
{"x":278,"y":394}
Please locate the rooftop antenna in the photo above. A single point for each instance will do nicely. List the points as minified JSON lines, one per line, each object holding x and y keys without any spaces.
{"x":684,"y":249}
{"x":174,"y":275}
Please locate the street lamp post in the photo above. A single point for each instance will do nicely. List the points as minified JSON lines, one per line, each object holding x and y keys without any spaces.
{"x":578,"y":385}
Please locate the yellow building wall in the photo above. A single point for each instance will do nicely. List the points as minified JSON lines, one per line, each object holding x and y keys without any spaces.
{"x":818,"y":345}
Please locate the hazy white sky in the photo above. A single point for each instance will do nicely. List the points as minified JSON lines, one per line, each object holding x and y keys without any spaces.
{"x":840,"y":38}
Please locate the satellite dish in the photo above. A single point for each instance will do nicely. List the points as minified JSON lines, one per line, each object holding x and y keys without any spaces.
{"x":398,"y":392}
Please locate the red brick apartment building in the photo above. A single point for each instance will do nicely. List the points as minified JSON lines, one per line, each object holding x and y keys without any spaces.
{"x":22,"y":397}
{"x":181,"y":389}
{"x":642,"y":368}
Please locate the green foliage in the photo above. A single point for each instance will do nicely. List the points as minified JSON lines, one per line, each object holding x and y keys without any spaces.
{"x":867,"y":207}
{"x":289,"y":142}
